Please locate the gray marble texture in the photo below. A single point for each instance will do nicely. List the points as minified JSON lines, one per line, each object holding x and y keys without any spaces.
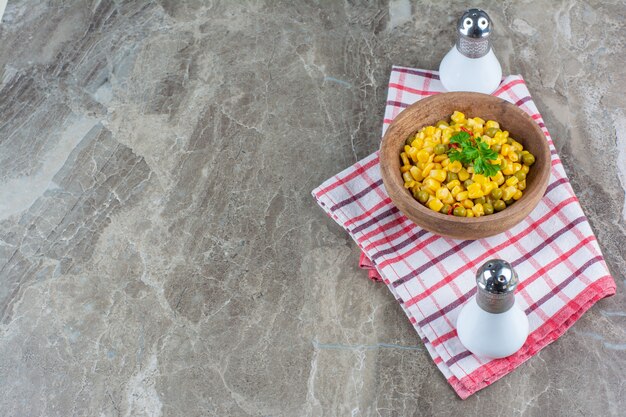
{"x":161,"y":255}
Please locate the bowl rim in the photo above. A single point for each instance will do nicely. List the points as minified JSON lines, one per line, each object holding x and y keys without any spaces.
{"x":390,"y":170}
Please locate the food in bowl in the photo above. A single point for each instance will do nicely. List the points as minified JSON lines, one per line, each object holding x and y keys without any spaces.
{"x":465,"y":167}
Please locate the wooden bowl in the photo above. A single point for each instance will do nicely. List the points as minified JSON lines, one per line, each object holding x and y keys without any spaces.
{"x":439,"y":107}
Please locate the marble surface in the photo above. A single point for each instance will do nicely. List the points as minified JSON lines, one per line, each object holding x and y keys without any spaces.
{"x":160,"y":253}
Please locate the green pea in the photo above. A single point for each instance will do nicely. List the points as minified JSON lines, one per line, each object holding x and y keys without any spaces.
{"x":509,"y":202}
{"x":467,"y":183}
{"x":496,"y":193}
{"x":520,"y":175}
{"x":422,"y":196}
{"x":496,"y":148}
{"x":440,"y":149}
{"x":491,"y":132}
{"x":509,"y":141}
{"x":459,"y":211}
{"x":528,"y":159}
{"x":488,"y":208}
{"x":499,"y":205}
{"x":451,"y":176}
{"x":479,"y":200}
{"x":445,"y":209}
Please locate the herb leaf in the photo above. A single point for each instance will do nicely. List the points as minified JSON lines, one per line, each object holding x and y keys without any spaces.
{"x":473,"y":152}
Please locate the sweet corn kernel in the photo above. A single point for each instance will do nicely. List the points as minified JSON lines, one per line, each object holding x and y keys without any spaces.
{"x":443,"y":193}
{"x":512,"y":181}
{"x":449,"y":200}
{"x":518,"y":194}
{"x":524,"y":169}
{"x":478,"y":210}
{"x":413,"y":154}
{"x":404,"y":158}
{"x":429,"y":130}
{"x":506,"y":148}
{"x":516,"y":167}
{"x":416,"y":173}
{"x":508,"y":192}
{"x":456,"y":190}
{"x":517,"y":146}
{"x":406,"y":176}
{"x":487,"y":187}
{"x":498,"y":178}
{"x":438,"y":174}
{"x":492,"y":123}
{"x":457,"y":117}
{"x":446,"y":162}
{"x":469,"y":213}
{"x":453,"y":184}
{"x":521,"y":185}
{"x":428,"y":190}
{"x":435,"y":204}
{"x":508,"y":170}
{"x":463,"y":174}
{"x":418,"y":143}
{"x":422,"y":156}
{"x":513,"y":156}
{"x":409,"y":184}
{"x":479,"y":178}
{"x":405,"y":168}
{"x":427,"y":168}
{"x":478,"y":121}
{"x":470,"y":170}
{"x":440,"y":158}
{"x":475,"y":191}
{"x":455,"y":167}
{"x":460,"y":196}
{"x":467,"y":203}
{"x":437,"y":166}
{"x":433,"y":184}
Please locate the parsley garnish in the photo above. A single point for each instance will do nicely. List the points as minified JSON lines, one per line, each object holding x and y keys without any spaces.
{"x":473,"y":151}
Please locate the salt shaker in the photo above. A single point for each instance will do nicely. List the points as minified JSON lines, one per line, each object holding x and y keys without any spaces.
{"x":491,"y":324}
{"x":471,"y":64}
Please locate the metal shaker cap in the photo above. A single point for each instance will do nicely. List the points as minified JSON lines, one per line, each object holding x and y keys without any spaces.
{"x":473,"y":33}
{"x":497,"y":281}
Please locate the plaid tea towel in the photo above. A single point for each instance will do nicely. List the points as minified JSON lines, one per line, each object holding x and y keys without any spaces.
{"x":554,"y":250}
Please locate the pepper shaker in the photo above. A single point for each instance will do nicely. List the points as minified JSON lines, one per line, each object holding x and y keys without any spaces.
{"x":491,"y":324}
{"x":471,"y":64}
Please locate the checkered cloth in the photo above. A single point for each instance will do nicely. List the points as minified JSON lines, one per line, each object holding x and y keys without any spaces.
{"x":554,"y":251}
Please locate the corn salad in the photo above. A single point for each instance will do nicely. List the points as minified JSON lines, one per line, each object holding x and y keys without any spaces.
{"x":453,"y":188}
